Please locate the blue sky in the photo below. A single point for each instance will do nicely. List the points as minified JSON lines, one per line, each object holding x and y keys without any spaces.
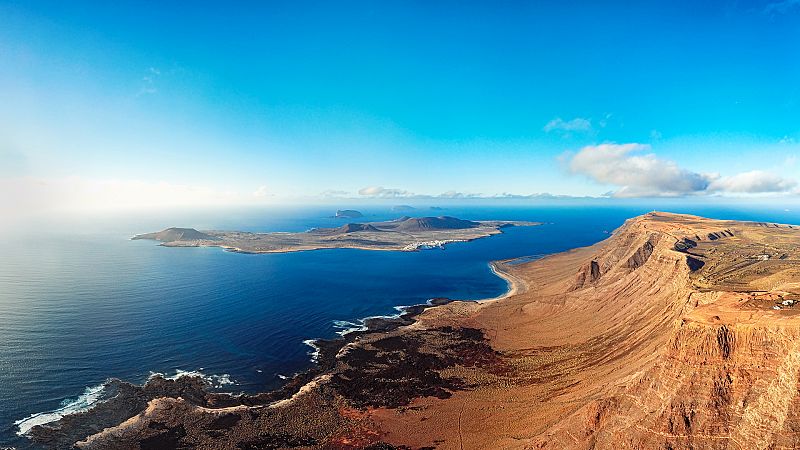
{"x":155,"y":103}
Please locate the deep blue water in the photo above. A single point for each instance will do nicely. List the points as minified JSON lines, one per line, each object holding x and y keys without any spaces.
{"x":80,"y":302}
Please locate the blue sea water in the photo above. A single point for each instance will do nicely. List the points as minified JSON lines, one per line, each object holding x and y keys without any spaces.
{"x":80,"y":302}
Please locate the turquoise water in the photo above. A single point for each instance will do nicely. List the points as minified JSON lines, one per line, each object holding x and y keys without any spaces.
{"x":80,"y":303}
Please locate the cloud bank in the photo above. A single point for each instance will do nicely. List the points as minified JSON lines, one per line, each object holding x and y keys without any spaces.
{"x":756,"y":181}
{"x":637,"y":172}
{"x":381,"y":192}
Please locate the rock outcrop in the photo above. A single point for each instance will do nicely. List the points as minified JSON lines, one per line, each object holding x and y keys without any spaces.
{"x":643,"y":253}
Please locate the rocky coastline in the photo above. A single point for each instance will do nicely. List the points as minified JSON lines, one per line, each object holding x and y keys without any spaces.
{"x":126,"y":400}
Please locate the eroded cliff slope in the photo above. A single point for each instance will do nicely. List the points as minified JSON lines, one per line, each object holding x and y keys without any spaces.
{"x":666,"y":335}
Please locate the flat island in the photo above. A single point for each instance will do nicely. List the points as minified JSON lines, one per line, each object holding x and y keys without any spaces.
{"x":403,"y":234}
{"x":348,"y":214}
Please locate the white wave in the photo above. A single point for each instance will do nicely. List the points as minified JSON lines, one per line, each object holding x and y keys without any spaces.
{"x":344,"y":324}
{"x":90,"y":397}
{"x":283,"y":377}
{"x":95,"y":394}
{"x":347,"y":327}
{"x":216,"y":381}
{"x":315,"y":353}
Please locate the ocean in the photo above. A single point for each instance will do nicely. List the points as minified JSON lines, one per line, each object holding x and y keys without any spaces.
{"x":81,"y":303}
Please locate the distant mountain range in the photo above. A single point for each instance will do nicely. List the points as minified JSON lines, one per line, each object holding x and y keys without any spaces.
{"x":405,"y":224}
{"x":427,"y":224}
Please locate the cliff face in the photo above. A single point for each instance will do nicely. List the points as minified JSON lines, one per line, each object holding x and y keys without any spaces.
{"x":715,"y":386}
{"x":638,"y":343}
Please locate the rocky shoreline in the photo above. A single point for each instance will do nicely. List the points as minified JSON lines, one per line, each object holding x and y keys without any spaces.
{"x":125,"y":400}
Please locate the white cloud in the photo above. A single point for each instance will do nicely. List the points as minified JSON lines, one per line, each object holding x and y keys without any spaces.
{"x":636,"y":174}
{"x":381,"y":192}
{"x":456,"y":194}
{"x":786,"y":140}
{"x":753,"y":182}
{"x":333,"y":193}
{"x":540,"y":195}
{"x":577,"y":124}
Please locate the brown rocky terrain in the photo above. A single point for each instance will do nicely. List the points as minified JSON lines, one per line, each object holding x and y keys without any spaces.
{"x":676,"y":332}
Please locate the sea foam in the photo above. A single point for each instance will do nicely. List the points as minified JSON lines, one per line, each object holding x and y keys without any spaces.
{"x":216,"y":381}
{"x":97,"y":394}
{"x":315,"y":353}
{"x":90,"y":397}
{"x":346,"y":327}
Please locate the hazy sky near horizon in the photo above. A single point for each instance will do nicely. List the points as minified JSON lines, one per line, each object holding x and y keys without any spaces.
{"x":115,"y":104}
